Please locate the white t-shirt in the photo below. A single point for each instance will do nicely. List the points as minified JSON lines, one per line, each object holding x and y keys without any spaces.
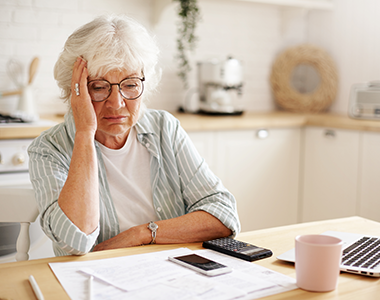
{"x":128,"y":174}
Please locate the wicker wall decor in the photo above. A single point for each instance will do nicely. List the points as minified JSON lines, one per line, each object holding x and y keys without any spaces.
{"x":287,"y":97}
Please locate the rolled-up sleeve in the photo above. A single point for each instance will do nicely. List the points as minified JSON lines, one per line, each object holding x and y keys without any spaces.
{"x":49,"y":161}
{"x":201,"y":189}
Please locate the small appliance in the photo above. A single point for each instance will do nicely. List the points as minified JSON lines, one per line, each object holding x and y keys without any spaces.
{"x":220,"y":85}
{"x":26,"y":110}
{"x":365,"y":101}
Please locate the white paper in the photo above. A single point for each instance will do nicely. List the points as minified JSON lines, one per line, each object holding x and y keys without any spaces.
{"x":129,"y":272}
{"x":153,"y":276}
{"x":193,"y":284}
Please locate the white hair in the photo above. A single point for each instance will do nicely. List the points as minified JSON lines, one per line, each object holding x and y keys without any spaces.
{"x":109,"y":43}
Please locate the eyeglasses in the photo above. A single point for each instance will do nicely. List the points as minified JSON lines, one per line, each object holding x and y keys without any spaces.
{"x":130,"y":88}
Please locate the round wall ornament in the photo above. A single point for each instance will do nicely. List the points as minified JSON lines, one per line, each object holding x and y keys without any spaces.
{"x":291,"y":96}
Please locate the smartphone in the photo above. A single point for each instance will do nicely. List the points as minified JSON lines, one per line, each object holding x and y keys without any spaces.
{"x":201,"y":264}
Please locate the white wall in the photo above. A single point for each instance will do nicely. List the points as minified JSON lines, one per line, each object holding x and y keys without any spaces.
{"x":253,"y":33}
{"x":31,"y":28}
{"x":248,"y":32}
{"x":355,"y":45}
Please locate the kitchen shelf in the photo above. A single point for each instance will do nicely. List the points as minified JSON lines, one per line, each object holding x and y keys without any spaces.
{"x":311,"y":4}
{"x":160,"y":5}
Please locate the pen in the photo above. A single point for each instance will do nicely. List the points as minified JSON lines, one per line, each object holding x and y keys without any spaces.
{"x":90,"y":279}
{"x":36,"y":288}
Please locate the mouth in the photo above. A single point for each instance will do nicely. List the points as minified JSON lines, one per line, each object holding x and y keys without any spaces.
{"x":116,"y":119}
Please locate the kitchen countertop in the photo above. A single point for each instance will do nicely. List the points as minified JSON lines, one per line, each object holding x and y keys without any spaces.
{"x":276,"y":119}
{"x":28,"y":130}
{"x":249,"y":120}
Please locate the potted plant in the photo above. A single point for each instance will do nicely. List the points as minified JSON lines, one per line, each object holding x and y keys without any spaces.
{"x":189,"y":14}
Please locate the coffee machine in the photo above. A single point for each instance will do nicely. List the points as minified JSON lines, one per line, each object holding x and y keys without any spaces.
{"x":220,"y":86}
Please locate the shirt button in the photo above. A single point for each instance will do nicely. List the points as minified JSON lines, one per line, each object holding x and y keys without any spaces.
{"x":147,"y":145}
{"x":158,"y":209}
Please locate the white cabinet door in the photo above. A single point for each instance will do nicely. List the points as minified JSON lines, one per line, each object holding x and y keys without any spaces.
{"x":262,"y":174}
{"x":369,"y":181}
{"x":331,"y":162}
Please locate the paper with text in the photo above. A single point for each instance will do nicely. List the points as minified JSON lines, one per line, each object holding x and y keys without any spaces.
{"x":153,"y":276}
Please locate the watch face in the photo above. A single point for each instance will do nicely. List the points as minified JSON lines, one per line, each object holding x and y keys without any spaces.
{"x":153,"y":226}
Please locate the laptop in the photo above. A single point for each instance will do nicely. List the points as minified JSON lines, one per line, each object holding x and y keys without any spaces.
{"x":361,"y":253}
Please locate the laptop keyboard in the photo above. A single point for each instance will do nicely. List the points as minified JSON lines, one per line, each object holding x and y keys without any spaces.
{"x":363,"y":253}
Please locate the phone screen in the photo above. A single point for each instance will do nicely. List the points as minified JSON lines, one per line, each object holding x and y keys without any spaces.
{"x":200,"y":262}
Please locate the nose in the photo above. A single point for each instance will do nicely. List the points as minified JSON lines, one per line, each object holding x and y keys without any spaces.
{"x":115,"y":100}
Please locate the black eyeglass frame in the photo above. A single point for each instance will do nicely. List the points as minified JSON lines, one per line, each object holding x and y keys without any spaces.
{"x":118,"y":84}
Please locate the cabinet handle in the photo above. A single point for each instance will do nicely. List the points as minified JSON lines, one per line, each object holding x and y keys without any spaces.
{"x":330,"y":134}
{"x":262,"y":134}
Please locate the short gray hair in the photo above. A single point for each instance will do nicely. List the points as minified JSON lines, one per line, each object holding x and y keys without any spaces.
{"x":109,"y":43}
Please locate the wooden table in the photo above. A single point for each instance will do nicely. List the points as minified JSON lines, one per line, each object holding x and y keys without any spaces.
{"x":14,"y":282}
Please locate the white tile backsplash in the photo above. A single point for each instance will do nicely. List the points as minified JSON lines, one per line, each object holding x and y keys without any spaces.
{"x":253,"y":33}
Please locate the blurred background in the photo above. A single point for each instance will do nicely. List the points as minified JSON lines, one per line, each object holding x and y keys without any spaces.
{"x":252,"y":31}
{"x":282,"y":168}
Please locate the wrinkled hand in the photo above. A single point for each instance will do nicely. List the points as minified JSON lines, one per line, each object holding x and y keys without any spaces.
{"x":83,"y":110}
{"x":135,"y":236}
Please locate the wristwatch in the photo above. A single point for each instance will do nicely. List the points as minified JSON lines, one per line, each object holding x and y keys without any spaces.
{"x":153,"y":227}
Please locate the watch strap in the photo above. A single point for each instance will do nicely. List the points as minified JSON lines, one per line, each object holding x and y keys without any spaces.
{"x":153,"y":228}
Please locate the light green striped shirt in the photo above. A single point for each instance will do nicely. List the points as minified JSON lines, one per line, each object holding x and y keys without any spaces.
{"x":181,"y":181}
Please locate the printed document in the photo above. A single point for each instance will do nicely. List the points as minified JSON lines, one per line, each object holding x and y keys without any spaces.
{"x":153,"y":276}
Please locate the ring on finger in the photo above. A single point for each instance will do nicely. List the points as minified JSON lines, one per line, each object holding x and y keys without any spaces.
{"x":77,"y":89}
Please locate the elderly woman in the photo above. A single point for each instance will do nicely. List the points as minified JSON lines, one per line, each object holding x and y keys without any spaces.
{"x":115,"y":174}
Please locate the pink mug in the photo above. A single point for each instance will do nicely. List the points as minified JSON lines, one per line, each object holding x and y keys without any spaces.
{"x":318,"y":260}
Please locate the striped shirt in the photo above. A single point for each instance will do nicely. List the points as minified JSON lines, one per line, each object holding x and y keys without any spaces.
{"x":180,"y":178}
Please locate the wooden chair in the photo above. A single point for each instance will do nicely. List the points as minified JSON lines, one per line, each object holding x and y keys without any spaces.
{"x":18,"y":205}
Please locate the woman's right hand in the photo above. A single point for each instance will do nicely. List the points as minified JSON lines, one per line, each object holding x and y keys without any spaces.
{"x":79,"y":197}
{"x":83,"y":110}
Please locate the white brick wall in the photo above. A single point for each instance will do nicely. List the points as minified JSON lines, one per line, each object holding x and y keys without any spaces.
{"x":40,"y":28}
{"x":248,"y":31}
{"x":253,"y":33}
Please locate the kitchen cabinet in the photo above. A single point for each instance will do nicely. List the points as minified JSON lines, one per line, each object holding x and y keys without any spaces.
{"x":260,"y":168}
{"x":329,"y":173}
{"x":369,"y":176}
{"x":291,"y":175}
{"x":306,"y":169}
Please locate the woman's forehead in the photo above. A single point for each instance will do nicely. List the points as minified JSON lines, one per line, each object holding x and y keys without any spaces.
{"x":116,"y":74}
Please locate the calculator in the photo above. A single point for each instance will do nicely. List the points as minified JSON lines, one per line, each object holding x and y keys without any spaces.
{"x":237,"y":249}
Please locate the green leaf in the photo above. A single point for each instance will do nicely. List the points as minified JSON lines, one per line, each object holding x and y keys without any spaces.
{"x":189,"y":14}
